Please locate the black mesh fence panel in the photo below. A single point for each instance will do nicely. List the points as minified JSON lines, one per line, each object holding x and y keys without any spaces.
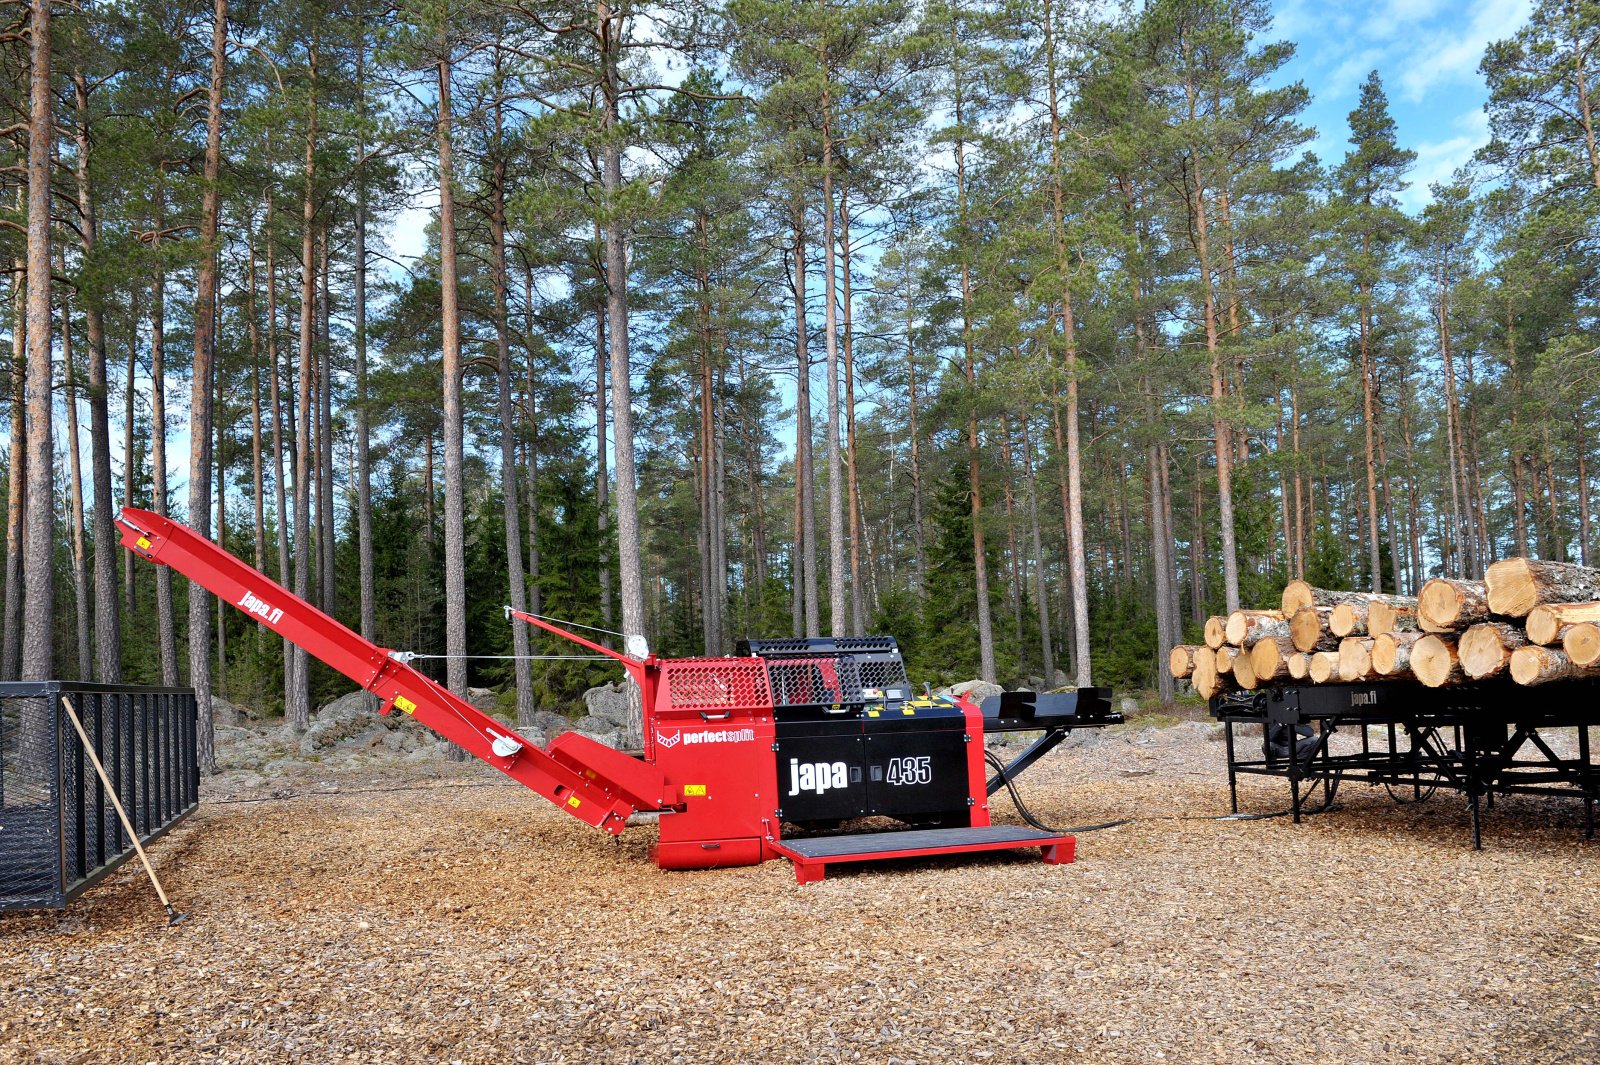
{"x":59,"y":831}
{"x":30,"y":817}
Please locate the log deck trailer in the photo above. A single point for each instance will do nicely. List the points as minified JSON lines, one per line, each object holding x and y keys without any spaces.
{"x":1482,"y":740}
{"x":789,"y":733}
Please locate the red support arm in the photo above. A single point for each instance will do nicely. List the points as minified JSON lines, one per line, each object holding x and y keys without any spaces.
{"x":585,"y":794}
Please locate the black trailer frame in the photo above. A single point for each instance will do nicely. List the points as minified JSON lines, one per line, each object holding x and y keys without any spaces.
{"x":1481,"y":740}
{"x":59,"y":832}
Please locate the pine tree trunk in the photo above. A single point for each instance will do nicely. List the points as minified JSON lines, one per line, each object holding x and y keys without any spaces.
{"x":1041,"y":595}
{"x":80,"y":553}
{"x":107,"y":616}
{"x":455,"y":506}
{"x":858,"y":595}
{"x":363,"y":442}
{"x":130,"y":454}
{"x":200,"y":417}
{"x":838,"y":618}
{"x":166,"y":626}
{"x":327,"y":571}
{"x":521,"y":667}
{"x":806,"y":586}
{"x":918,"y":525}
{"x":297,"y":703}
{"x":17,"y":477}
{"x":601,"y":479}
{"x":628,"y":536}
{"x":275,"y":396}
{"x":38,"y":547}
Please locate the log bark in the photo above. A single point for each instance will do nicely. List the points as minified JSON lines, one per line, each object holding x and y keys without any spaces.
{"x":1533,"y":664}
{"x":1517,"y":585}
{"x":1352,"y":615}
{"x":1392,"y":617}
{"x":1216,"y":632}
{"x":1181,"y":661}
{"x":1391,"y":653}
{"x":1436,"y":661}
{"x":1245,"y":627}
{"x":1299,"y":666}
{"x":1269,"y":658}
{"x":1308,"y":628}
{"x":1485,"y":649}
{"x":1549,"y":622}
{"x":1446,"y":605}
{"x":1323,"y":667}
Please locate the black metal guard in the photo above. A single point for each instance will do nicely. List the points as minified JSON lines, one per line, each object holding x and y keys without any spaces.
{"x":59,"y":832}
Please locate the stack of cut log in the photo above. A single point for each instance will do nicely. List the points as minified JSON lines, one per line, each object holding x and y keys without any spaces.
{"x":1530,"y":620}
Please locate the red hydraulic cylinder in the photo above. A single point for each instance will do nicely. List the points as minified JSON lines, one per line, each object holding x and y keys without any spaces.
{"x":580,"y":789}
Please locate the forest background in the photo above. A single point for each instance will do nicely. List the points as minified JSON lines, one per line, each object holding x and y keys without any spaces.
{"x":1029,"y":333}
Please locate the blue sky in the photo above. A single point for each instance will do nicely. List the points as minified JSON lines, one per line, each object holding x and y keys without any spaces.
{"x":1427,"y":52}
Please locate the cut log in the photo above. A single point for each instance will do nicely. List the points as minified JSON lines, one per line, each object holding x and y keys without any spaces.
{"x":1299,"y":593}
{"x":1269,"y":659}
{"x":1391,"y":653}
{"x":1549,"y":622}
{"x":1225,"y":657}
{"x":1350,"y":616}
{"x":1299,"y":666}
{"x":1244,"y":672}
{"x":1517,"y":585}
{"x":1385,"y":617}
{"x":1485,"y":649}
{"x":1216,"y":631}
{"x":1245,"y":627}
{"x":1540,"y":665}
{"x":1323,"y":667}
{"x":1355,"y":658}
{"x":1436,"y":662}
{"x":1582,"y":644}
{"x":1446,"y":605}
{"x":1206,"y":680}
{"x":1308,"y":628}
{"x":1180,"y":661}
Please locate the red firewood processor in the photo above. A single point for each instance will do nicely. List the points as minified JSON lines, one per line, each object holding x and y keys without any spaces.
{"x":761,"y":755}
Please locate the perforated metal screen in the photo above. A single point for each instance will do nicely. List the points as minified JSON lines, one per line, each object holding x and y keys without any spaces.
{"x":716,"y":684}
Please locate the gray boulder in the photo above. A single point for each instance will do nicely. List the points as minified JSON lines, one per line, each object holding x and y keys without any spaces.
{"x":551,"y":725}
{"x":608,"y":702}
{"x":482,"y":698}
{"x":977,"y":690}
{"x":594,"y":726}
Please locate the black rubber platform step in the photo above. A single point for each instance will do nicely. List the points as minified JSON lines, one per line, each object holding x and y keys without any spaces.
{"x":812,"y":855}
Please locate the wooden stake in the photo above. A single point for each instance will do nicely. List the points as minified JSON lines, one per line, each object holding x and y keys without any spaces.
{"x":173,"y":917}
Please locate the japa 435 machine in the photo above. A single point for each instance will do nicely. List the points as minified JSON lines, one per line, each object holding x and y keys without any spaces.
{"x":745,"y":758}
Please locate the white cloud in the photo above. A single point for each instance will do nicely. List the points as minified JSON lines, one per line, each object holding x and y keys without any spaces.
{"x":1438,"y":59}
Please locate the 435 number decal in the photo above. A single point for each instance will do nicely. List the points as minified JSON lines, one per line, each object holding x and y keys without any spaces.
{"x":910,"y":770}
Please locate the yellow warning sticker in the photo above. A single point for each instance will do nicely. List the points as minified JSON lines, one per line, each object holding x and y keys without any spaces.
{"x":402,"y":703}
{"x":908,"y":711}
{"x":574,"y":802}
{"x":872,"y":713}
{"x":698,"y":790}
{"x":143,"y":543}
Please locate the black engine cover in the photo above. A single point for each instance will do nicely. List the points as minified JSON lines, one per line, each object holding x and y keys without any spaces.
{"x":901,"y":762}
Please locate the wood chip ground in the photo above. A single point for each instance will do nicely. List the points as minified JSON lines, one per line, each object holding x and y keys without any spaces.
{"x":465,"y":920}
